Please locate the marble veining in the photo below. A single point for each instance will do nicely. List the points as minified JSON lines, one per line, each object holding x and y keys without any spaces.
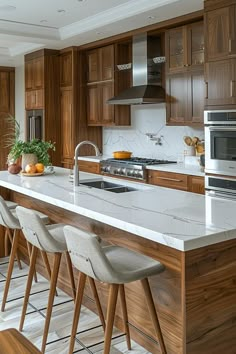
{"x":178,"y":219}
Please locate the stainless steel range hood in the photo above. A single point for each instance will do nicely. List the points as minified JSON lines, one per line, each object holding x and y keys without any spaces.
{"x":142,"y":91}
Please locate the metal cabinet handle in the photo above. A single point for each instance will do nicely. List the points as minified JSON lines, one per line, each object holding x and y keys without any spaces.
{"x":230,"y":45}
{"x":206,"y":90}
{"x":167,"y":179}
{"x":232,"y":82}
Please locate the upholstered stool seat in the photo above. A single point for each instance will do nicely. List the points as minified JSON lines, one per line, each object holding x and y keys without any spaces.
{"x":13,"y":342}
{"x":9,"y":219}
{"x":116,"y":266}
{"x":50,"y":239}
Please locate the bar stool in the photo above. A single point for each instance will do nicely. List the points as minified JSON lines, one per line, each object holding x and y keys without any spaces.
{"x":50,"y":239}
{"x":13,"y":342}
{"x":113,"y":265}
{"x":9,"y":219}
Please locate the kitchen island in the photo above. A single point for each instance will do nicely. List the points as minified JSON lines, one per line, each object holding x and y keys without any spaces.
{"x":192,"y":235}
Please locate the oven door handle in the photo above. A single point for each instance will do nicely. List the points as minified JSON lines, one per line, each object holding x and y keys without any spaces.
{"x":225,"y":128}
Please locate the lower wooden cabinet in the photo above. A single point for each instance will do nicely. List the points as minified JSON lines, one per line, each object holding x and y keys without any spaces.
{"x":88,"y":166}
{"x":177,"y":181}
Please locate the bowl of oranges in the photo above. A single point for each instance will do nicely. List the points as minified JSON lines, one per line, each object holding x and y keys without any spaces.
{"x":33,"y":170}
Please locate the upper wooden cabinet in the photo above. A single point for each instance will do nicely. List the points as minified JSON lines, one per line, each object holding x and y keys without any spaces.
{"x":220,"y":53}
{"x":34,"y":73}
{"x":101,"y":64}
{"x":220,"y":29}
{"x":185,"y":75}
{"x":185,"y":48}
{"x":104,"y":81}
{"x":73,"y":106}
{"x":42,"y":92}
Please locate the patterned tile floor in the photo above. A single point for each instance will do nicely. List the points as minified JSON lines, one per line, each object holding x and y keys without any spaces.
{"x":90,"y":337}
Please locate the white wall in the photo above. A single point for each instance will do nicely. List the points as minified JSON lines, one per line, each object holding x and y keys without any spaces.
{"x":20,"y":97}
{"x":148,"y":119}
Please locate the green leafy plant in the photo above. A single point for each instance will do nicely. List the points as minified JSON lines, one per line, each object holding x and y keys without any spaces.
{"x":38,"y":147}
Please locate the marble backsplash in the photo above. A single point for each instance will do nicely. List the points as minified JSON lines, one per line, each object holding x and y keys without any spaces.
{"x":148,"y":119}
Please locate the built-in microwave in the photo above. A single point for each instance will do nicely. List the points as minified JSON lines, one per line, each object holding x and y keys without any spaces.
{"x":220,"y":142}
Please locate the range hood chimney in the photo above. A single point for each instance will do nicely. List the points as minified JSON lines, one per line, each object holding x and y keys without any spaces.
{"x":142,"y":91}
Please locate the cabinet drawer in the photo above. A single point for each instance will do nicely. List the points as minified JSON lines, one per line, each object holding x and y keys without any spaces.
{"x":87,"y":166}
{"x":168,"y":179}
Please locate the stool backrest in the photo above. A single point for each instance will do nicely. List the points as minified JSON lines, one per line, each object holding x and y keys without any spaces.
{"x":35,"y":231}
{"x":87,"y":255}
{"x":6,"y":217}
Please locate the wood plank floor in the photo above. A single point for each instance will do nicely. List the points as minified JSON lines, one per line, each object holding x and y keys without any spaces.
{"x":90,"y":333}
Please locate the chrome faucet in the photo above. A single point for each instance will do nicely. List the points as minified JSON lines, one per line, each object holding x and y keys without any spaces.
{"x":76,"y":167}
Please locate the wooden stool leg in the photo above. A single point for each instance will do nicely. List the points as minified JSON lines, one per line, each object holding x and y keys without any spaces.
{"x":111,"y":308}
{"x":97,"y":300}
{"x":47,"y":266}
{"x":6,"y":245}
{"x":78,"y":303}
{"x":71,"y":275}
{"x":10,"y":268}
{"x":125,"y":315}
{"x":29,"y":253}
{"x":11,"y":240}
{"x":153,"y":314}
{"x":33,"y":258}
{"x":53,"y":284}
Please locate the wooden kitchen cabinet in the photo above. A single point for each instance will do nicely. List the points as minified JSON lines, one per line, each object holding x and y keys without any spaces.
{"x":185,"y":98}
{"x":42,"y":92}
{"x":220,"y":79}
{"x":7,"y":107}
{"x":178,"y":181}
{"x":73,"y":89}
{"x":184,"y":75}
{"x":104,"y":81}
{"x":89,"y":166}
{"x":196,"y":184}
{"x":185,"y":48}
{"x":220,"y":29}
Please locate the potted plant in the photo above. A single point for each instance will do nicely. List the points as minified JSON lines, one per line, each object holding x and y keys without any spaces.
{"x":19,"y":149}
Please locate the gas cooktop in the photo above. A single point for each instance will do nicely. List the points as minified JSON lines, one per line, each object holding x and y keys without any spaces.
{"x":139,"y":161}
{"x":131,"y":168}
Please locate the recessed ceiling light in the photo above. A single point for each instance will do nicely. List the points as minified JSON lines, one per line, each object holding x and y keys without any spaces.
{"x":80,"y":0}
{"x":151,"y":17}
{"x":7,"y":8}
{"x":99,"y":33}
{"x":61,"y":11}
{"x":43,"y":21}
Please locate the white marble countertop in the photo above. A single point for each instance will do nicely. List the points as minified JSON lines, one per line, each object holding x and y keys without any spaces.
{"x":187,"y":169}
{"x":181,"y":220}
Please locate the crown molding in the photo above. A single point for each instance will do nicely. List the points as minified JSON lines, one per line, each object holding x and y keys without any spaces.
{"x":112,"y":15}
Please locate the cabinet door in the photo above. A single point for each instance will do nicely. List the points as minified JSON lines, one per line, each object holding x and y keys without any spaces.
{"x":88,"y":166}
{"x":196,"y":93}
{"x":220,"y":33}
{"x":195,"y":45}
{"x":107,"y":110}
{"x":176,"y":55}
{"x":107,"y":62}
{"x":93,"y":65}
{"x":177,"y":96}
{"x":93,"y":105}
{"x":67,"y":125}
{"x":220,"y":82}
{"x":196,"y":184}
{"x":34,"y":99}
{"x":38,"y":72}
{"x":5,"y":91}
{"x":29,"y":83}
{"x":66,"y":69}
{"x":168,"y":179}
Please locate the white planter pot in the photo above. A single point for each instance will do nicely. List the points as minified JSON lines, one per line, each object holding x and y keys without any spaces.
{"x":28,"y":159}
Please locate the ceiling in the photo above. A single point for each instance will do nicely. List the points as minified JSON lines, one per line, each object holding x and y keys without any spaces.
{"x":27,"y":25}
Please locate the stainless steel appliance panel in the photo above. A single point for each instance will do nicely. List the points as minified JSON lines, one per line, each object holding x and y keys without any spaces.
{"x":34,"y":124}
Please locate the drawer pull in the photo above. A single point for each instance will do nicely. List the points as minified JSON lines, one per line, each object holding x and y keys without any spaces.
{"x":168,"y":179}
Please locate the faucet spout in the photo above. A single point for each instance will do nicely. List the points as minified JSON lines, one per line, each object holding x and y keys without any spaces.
{"x":76,"y":167}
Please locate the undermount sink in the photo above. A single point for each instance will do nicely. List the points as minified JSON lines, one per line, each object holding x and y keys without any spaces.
{"x":108,"y":186}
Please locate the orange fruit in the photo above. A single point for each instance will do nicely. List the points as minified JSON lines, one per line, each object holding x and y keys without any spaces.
{"x":30,"y":168}
{"x":39,"y":167}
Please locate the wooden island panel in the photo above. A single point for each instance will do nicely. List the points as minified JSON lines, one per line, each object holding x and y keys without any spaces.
{"x":195,"y":296}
